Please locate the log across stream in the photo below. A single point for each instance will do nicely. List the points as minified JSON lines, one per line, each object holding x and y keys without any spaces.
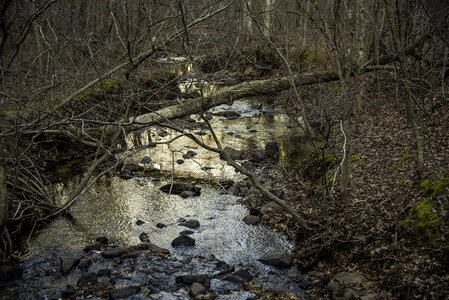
{"x":132,"y":209}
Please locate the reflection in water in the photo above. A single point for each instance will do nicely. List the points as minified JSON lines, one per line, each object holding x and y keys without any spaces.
{"x":251,"y":129}
{"x":113,"y":210}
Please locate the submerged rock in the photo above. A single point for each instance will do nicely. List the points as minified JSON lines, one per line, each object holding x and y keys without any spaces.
{"x":160,"y":225}
{"x":277,"y":259}
{"x":251,"y":220}
{"x":186,"y":232}
{"x":190,"y":224}
{"x":177,"y":188}
{"x":227,"y":114}
{"x":189,"y":154}
{"x":102,"y":240}
{"x":183,"y":240}
{"x":144,"y":237}
{"x":145,"y":160}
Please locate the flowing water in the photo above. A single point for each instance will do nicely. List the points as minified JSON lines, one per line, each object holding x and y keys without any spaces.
{"x":113,"y":206}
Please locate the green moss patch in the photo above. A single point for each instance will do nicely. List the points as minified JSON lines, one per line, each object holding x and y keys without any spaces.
{"x":422,"y":219}
{"x":434,"y":188}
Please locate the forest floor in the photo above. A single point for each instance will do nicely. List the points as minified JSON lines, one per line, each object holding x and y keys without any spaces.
{"x":393,"y":227}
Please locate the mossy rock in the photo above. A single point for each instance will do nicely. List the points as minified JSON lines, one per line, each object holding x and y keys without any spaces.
{"x":422,"y":219}
{"x":434,"y":188}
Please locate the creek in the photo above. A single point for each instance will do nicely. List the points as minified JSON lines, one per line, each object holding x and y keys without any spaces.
{"x":122,"y":208}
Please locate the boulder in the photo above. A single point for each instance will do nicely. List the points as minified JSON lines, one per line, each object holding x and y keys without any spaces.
{"x":187,"y":194}
{"x":354,"y":279}
{"x":115,"y":252}
{"x":85,"y":263}
{"x":87,"y":278}
{"x":183,"y":240}
{"x":139,"y":222}
{"x":95,"y":246}
{"x":204,"y":279}
{"x":272,"y":150}
{"x":186,"y":232}
{"x":102,"y":240}
{"x":190,"y":224}
{"x":244,"y":274}
{"x":197,"y":289}
{"x":271,"y":207}
{"x":68,"y":262}
{"x":189,"y":154}
{"x":233,"y":153}
{"x":277,"y":259}
{"x":254,"y":211}
{"x":145,"y":160}
{"x":144,"y":237}
{"x":251,"y":220}
{"x":227,"y":114}
{"x":160,"y":225}
{"x":124,"y":292}
{"x":179,"y":161}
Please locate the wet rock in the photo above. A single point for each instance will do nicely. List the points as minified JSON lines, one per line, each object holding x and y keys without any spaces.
{"x":160,"y":225}
{"x":278,"y":259}
{"x":162,"y":133}
{"x":191,"y":224}
{"x":68,"y":292}
{"x":234,"y":278}
{"x":87,"y":278}
{"x":277,"y":192}
{"x":157,"y":249}
{"x":95,"y":246}
{"x":197,"y":289}
{"x":201,"y":133}
{"x":244,"y":274}
{"x":115,"y":252}
{"x":189,"y":154}
{"x":145,"y":160}
{"x":272,"y":150}
{"x":251,"y":220}
{"x":124,"y":292}
{"x":85,"y":263}
{"x":227,"y":114}
{"x":10,"y":273}
{"x":186,"y":232}
{"x":271,"y":207}
{"x":223,"y":287}
{"x":104,"y":272}
{"x":102,"y":240}
{"x":353,"y":278}
{"x":178,"y":188}
{"x":232,"y":153}
{"x":183,"y":240}
{"x":139,"y":222}
{"x":257,"y":155}
{"x":254,"y":211}
{"x":204,"y":279}
{"x":179,"y":161}
{"x":247,"y":165}
{"x":187,"y":194}
{"x":68,"y":262}
{"x":333,"y":287}
{"x":144,"y":237}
